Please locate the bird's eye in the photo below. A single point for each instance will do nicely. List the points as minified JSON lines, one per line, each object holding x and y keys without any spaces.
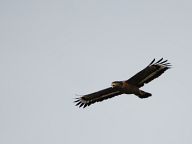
{"x":113,"y":84}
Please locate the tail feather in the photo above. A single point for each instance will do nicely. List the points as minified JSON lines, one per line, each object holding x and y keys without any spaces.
{"x":144,"y":94}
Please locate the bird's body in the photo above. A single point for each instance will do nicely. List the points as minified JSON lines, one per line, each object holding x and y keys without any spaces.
{"x":130,"y":86}
{"x":127,"y":88}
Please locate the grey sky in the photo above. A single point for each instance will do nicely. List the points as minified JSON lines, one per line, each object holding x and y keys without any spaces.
{"x":52,"y":51}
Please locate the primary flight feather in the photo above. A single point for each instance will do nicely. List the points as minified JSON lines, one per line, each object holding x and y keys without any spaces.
{"x":130,"y":86}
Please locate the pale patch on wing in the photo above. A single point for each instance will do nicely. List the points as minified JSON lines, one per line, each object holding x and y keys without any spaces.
{"x":86,"y":102}
{"x":154,"y":73}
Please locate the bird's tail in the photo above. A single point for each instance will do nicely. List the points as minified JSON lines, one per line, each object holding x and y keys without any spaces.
{"x":144,"y":94}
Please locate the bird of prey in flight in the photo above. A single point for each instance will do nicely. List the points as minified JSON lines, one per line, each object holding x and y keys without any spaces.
{"x":130,"y":86}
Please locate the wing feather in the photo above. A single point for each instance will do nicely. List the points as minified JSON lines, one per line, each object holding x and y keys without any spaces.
{"x":159,"y":61}
{"x":101,"y":95}
{"x":152,"y":71}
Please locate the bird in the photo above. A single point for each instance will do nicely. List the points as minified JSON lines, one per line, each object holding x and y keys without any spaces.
{"x":130,"y":86}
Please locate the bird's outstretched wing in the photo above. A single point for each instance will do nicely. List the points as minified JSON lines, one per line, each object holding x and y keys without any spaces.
{"x":101,"y":95}
{"x":152,"y":71}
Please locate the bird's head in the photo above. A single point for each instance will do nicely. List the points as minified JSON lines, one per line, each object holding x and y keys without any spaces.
{"x":117,"y":84}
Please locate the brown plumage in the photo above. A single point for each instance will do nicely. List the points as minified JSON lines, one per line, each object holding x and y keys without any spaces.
{"x":130,"y":86}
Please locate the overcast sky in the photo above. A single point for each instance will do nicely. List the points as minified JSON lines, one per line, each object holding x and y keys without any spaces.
{"x":54,"y":51}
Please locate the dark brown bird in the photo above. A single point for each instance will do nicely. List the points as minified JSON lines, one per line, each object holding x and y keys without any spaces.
{"x":130,"y":86}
